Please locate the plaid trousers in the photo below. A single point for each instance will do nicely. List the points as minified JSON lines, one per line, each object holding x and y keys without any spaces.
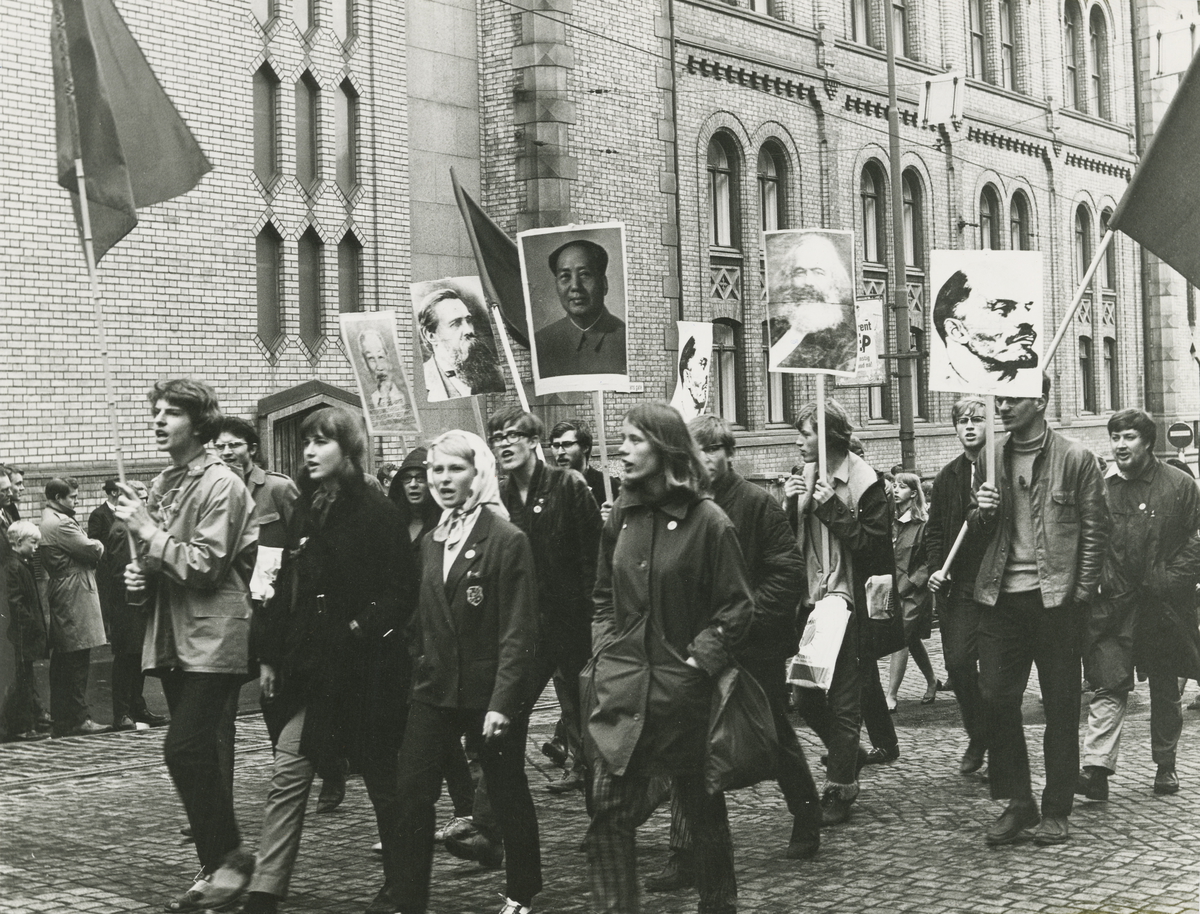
{"x":621,"y":805}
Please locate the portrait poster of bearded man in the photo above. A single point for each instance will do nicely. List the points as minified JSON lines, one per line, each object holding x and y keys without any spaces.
{"x":810,"y":301}
{"x":457,"y":340}
{"x":695,"y":364}
{"x":370,"y":342}
{"x":988,"y":313}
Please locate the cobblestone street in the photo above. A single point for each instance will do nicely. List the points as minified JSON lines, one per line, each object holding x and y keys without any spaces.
{"x":91,"y":824}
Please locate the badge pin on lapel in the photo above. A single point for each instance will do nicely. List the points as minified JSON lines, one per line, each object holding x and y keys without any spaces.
{"x":474,"y":594}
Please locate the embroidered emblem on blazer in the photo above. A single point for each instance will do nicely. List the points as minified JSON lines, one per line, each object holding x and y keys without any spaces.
{"x":474,"y":594}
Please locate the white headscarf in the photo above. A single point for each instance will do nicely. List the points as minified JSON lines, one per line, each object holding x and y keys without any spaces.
{"x":485,"y":488}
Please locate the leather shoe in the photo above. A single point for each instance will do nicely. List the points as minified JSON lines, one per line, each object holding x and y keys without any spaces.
{"x":972,"y":760}
{"x":678,"y":873}
{"x":146,"y":716}
{"x":1092,"y":782}
{"x":570,"y":780}
{"x":1013,"y":823}
{"x":382,"y":903}
{"x":877,"y":756}
{"x":477,"y":847}
{"x":1052,"y":830}
{"x":125,"y":723}
{"x":31,"y":736}
{"x":805,"y":841}
{"x":333,"y":791}
{"x":1166,"y":781}
{"x":835,"y":809}
{"x":87,"y":728}
{"x":556,"y":752}
{"x":456,"y":827}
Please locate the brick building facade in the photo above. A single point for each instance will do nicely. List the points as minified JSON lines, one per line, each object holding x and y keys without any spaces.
{"x":331,"y":125}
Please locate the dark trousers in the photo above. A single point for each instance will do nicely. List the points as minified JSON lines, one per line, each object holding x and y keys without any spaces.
{"x":128,"y":681}
{"x":621,"y":805}
{"x":1014,"y":634}
{"x":200,"y":704}
{"x":423,"y":759}
{"x":459,"y":783}
{"x":960,"y":652}
{"x":855,"y":697}
{"x":68,"y":688}
{"x":21,"y":707}
{"x":795,"y":779}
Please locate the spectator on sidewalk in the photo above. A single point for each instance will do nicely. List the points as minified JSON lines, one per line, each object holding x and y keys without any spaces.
{"x":70,"y":558}
{"x":26,"y":631}
{"x":1144,"y":617}
{"x":1046,"y":527}
{"x":196,"y":541}
{"x":953,"y":489}
{"x":12,"y":511}
{"x":100,"y":521}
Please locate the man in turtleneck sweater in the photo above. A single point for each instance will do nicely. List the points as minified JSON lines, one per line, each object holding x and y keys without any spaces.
{"x":1046,"y":525}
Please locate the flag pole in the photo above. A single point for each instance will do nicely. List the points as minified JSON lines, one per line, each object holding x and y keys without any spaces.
{"x":493,"y":301}
{"x":1083,"y":285}
{"x":602,"y":437}
{"x":822,"y":467}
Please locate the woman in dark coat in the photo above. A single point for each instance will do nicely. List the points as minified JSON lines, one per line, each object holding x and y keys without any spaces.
{"x":410,"y":493}
{"x":475,"y":637}
{"x":334,"y":668}
{"x":912,"y":587}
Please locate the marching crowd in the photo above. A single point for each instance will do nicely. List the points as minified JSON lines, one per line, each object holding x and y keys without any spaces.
{"x":402,"y":627}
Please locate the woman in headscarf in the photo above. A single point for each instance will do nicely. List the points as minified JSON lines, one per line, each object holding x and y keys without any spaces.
{"x":475,"y":636}
{"x":334,"y":668}
{"x":410,"y":493}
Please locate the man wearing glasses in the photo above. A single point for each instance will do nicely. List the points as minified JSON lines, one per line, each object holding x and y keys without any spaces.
{"x":555,"y":509}
{"x":571,"y":449}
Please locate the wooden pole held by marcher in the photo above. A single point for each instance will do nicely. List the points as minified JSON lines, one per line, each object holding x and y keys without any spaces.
{"x":989,"y":444}
{"x":822,"y":470}
{"x":602,"y":437}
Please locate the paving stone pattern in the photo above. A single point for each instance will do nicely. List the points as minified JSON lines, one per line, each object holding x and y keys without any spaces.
{"x":91,"y":824}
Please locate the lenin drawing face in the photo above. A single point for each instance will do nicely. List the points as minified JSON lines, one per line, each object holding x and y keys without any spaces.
{"x":811,"y":302}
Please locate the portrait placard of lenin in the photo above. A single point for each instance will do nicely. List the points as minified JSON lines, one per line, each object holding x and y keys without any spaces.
{"x":575,"y":299}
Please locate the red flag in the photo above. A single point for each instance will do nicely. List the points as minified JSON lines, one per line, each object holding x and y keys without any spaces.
{"x":498,"y":262}
{"x":112,"y":112}
{"x":1161,"y":206}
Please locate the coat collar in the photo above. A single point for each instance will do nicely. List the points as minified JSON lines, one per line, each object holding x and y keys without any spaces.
{"x":676,"y":503}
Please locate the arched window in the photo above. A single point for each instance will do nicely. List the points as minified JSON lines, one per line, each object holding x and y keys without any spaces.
{"x":266,"y":125}
{"x":1008,"y":58}
{"x":860,"y":22}
{"x":310,"y":252}
{"x":978,"y":58}
{"x":874,"y":247}
{"x":1083,"y":241}
{"x":1019,"y":223}
{"x":722,"y":192}
{"x":342,"y":18}
{"x":1073,"y":94}
{"x":268,"y":249}
{"x":1108,"y":273}
{"x":724,"y":371}
{"x":1087,"y":376}
{"x":914,"y":240}
{"x":989,"y":219}
{"x":1098,"y":62}
{"x":772,"y":171}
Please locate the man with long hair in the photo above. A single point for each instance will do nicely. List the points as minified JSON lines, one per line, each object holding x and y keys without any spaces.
{"x":196,"y":540}
{"x":672,"y":604}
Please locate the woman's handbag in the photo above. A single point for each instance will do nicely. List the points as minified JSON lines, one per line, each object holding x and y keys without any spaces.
{"x":742,"y":744}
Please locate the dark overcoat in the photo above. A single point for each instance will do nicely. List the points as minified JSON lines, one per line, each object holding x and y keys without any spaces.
{"x":26,"y":619}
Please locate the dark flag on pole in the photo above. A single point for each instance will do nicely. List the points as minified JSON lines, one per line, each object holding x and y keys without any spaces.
{"x":112,"y":112}
{"x":1161,"y":206}
{"x":499,"y":260}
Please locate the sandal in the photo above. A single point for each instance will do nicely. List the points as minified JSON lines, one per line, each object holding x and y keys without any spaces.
{"x":931,"y":692}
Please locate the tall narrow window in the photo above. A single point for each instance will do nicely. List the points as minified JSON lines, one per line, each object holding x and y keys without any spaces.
{"x":345,"y":125}
{"x":914,"y":241}
{"x":264,"y":10}
{"x":268,"y":249}
{"x":266,"y":125}
{"x":1008,"y":59}
{"x":1109,"y":272}
{"x":304,"y":14}
{"x":771,"y":170}
{"x":1083,"y":242}
{"x":309,"y":252}
{"x":1072,"y":94}
{"x":724,"y":371}
{"x":349,"y":274}
{"x":900,"y":27}
{"x":1019,"y":224}
{"x":308,"y":109}
{"x":1098,"y":62}
{"x":1086,"y":375}
{"x":342,"y":15}
{"x":1110,"y":372}
{"x":762,"y":6}
{"x":722,"y":193}
{"x":860,"y":22}
{"x":774,"y":384}
{"x":989,"y":219}
{"x":872,"y":214}
{"x":975,"y":15}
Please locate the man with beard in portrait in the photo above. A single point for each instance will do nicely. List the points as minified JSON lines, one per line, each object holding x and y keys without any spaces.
{"x":374,"y":353}
{"x":821,"y":332}
{"x":988,"y":339}
{"x":461,"y":363}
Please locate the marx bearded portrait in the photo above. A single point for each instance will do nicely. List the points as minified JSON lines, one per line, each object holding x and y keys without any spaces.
{"x":812,"y":303}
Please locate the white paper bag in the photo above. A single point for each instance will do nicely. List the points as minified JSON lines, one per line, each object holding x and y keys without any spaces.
{"x":879,"y":597}
{"x":813,"y":667}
